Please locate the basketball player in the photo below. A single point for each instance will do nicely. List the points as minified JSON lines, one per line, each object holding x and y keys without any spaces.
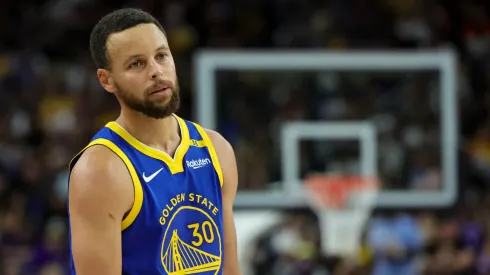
{"x":152,"y":193}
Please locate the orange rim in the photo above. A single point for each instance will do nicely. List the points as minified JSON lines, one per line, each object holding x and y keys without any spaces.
{"x":333,"y":191}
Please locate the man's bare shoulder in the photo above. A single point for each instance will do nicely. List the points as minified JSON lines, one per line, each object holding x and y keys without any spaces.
{"x":227,"y":161}
{"x":99,"y":163}
{"x":221,"y":145}
{"x":98,"y":175}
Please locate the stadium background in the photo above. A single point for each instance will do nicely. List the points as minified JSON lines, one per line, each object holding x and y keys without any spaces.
{"x":51,"y":103}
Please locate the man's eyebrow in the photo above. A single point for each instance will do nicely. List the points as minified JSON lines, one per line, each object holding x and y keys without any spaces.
{"x":132,"y":57}
{"x":162,"y":47}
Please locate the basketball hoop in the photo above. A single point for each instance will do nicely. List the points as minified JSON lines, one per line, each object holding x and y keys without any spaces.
{"x":343,"y":204}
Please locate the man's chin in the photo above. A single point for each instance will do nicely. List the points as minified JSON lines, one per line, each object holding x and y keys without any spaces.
{"x":156,"y":115}
{"x":159,"y":111}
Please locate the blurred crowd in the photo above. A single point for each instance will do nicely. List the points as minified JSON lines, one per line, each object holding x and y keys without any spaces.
{"x":394,"y":243}
{"x":51,"y":104}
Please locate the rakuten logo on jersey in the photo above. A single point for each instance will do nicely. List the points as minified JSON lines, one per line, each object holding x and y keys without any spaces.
{"x":198,"y":163}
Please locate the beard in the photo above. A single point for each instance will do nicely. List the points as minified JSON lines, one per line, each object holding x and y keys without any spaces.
{"x":152,"y":108}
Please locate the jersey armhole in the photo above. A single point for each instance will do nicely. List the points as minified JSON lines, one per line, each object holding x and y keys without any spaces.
{"x":138,"y":190}
{"x":212,"y":152}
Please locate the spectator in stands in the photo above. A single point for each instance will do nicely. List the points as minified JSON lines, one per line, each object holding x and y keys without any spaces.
{"x":395,"y":243}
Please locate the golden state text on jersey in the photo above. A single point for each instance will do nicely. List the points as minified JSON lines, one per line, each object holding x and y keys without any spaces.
{"x":175,"y":226}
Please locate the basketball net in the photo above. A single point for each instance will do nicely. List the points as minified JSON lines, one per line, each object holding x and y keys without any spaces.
{"x":343,"y":205}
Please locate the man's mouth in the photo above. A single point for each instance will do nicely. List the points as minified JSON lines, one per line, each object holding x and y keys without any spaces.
{"x":160,"y":90}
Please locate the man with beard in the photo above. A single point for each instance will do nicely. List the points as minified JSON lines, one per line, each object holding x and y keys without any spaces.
{"x":151,"y":193}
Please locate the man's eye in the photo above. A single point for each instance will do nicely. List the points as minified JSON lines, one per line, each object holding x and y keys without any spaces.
{"x":136,"y":64}
{"x":162,"y":56}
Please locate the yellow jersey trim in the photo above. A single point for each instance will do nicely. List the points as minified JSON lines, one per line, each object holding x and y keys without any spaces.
{"x":212,"y":152}
{"x":138,"y":189}
{"x":176,"y":164}
{"x":198,"y":143}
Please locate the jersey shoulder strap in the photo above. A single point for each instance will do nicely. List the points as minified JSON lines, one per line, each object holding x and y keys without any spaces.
{"x":200,"y":138}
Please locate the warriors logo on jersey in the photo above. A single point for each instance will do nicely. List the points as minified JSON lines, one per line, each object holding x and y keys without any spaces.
{"x":196,"y":247}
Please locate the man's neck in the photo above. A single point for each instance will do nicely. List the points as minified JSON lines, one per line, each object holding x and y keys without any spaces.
{"x":162,"y":134}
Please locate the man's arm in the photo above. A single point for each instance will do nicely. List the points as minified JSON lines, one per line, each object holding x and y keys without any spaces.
{"x":100,"y":193}
{"x":227,"y":160}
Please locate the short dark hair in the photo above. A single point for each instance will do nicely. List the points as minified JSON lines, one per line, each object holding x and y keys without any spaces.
{"x":114,"y":22}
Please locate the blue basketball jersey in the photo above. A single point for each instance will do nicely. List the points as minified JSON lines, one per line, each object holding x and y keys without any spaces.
{"x":175,"y":226}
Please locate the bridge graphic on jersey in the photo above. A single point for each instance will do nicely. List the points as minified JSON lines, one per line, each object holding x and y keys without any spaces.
{"x":182,"y":259}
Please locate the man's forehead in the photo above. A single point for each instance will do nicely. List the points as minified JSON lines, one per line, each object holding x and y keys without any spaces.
{"x":136,"y":40}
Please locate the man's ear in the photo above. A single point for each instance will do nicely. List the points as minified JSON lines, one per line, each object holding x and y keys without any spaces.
{"x":106,"y":80}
